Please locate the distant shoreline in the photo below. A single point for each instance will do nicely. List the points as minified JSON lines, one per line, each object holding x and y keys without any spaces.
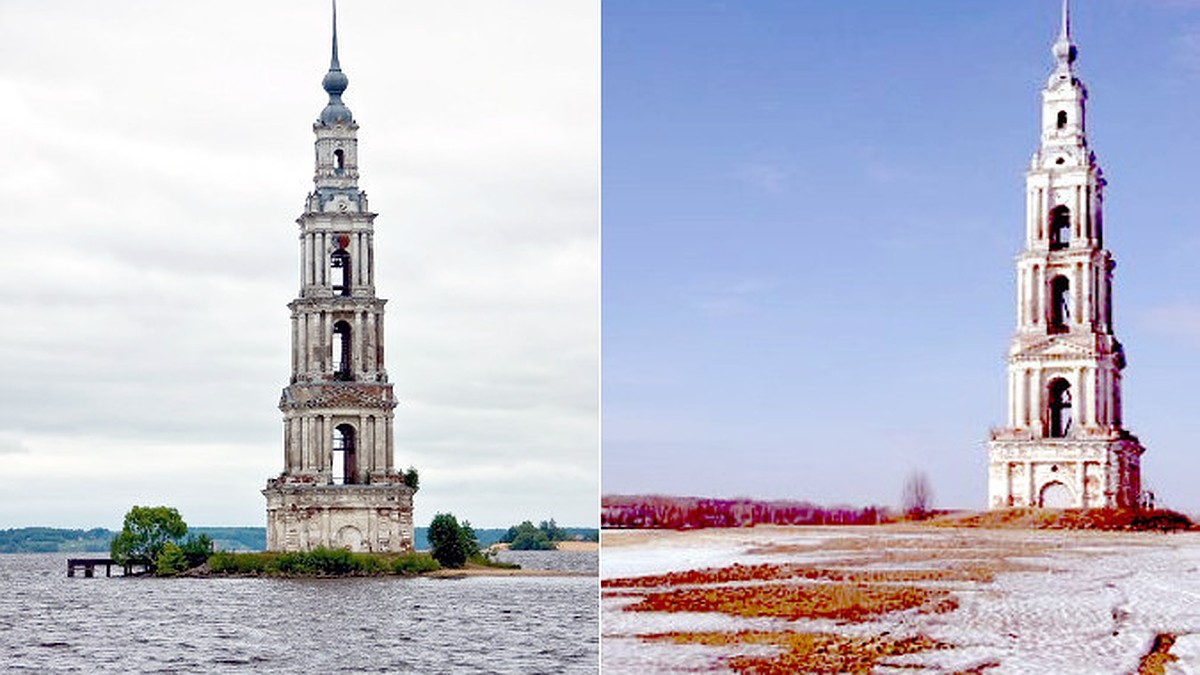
{"x":575,"y":546}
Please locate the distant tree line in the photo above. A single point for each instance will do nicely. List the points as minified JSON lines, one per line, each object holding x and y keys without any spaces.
{"x":97,"y":539}
{"x":685,"y":513}
{"x":54,"y":540}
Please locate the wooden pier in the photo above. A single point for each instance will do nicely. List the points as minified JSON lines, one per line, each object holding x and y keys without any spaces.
{"x":89,"y":565}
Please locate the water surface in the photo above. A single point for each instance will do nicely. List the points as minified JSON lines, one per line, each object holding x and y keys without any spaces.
{"x":52,"y":623}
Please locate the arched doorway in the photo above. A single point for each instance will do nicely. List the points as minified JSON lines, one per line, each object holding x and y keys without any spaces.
{"x":1055,"y":496}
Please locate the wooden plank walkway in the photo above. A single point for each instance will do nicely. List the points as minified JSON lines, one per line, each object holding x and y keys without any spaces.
{"x":89,"y":565}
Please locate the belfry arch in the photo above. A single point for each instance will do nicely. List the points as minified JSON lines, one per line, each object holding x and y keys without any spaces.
{"x":1059,"y":305}
{"x":1060,"y":228}
{"x":340,"y":352}
{"x":344,"y":464}
{"x":1059,"y":408}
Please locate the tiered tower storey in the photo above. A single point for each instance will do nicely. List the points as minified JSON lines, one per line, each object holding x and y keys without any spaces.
{"x":1064,"y":445}
{"x":338,"y":488}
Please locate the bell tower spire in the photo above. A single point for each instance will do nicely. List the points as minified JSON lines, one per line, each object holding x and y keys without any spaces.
{"x":1064,"y":51}
{"x":339,"y":487}
{"x":1065,"y":444}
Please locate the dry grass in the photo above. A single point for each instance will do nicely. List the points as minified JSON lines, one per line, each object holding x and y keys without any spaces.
{"x":1159,"y":520}
{"x":1155,"y":661}
{"x":806,"y":652}
{"x":776,"y":572}
{"x":839,"y":601}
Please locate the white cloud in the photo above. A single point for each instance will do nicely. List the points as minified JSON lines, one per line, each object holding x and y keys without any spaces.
{"x":156,"y":159}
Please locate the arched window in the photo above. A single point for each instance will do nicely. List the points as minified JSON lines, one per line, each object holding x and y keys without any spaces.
{"x":1062,"y":119}
{"x":1060,"y":304}
{"x":340,"y":354}
{"x":339,"y":271}
{"x":1060,"y":408}
{"x":344,"y":466}
{"x":1060,"y":228}
{"x":339,"y":160}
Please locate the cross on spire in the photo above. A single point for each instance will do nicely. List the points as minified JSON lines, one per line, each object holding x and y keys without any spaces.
{"x":1064,"y":50}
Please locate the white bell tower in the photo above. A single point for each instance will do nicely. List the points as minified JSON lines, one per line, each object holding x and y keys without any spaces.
{"x":1064,"y":445}
{"x":338,"y":488}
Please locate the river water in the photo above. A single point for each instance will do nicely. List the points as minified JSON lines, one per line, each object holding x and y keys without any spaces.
{"x":52,"y":623}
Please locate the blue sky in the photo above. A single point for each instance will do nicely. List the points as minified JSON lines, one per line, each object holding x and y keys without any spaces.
{"x":810,"y":213}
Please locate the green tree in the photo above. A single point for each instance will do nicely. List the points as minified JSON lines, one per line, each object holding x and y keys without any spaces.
{"x":448,"y":542}
{"x":528,"y":537}
{"x":553,"y":533}
{"x":470,"y":542}
{"x":146,"y":530}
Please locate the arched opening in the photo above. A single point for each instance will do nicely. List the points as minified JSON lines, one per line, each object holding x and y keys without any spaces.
{"x":1062,"y":119}
{"x":1060,"y":304}
{"x":339,"y":272}
{"x":1055,"y":495}
{"x":1060,"y":228}
{"x":344,"y":464}
{"x":1060,"y":408}
{"x":339,"y":160}
{"x":340,"y":354}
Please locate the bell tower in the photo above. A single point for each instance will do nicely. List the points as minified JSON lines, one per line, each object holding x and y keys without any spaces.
{"x":339,"y":487}
{"x":1064,"y":445}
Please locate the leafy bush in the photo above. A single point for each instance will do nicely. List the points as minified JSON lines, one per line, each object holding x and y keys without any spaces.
{"x":415,"y":563}
{"x":170,"y":560}
{"x":320,"y":562}
{"x":412,"y":479}
{"x":224,"y":562}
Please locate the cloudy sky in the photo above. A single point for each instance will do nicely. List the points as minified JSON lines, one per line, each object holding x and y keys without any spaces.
{"x":157,"y":156}
{"x":811,"y":211}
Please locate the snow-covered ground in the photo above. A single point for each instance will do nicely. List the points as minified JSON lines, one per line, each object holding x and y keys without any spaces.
{"x":1084,"y":602}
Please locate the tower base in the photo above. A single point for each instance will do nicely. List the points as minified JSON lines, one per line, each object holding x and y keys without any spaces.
{"x":375,"y":518}
{"x":1069,"y":473}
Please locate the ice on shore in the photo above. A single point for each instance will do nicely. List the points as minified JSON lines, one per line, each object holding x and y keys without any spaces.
{"x":1094,"y":604}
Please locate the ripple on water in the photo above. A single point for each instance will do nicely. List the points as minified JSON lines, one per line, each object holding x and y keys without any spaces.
{"x":367,"y":625}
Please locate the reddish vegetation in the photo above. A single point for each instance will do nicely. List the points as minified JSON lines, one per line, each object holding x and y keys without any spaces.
{"x":846,"y":602}
{"x":775,"y":572}
{"x":807,"y":652}
{"x":1072,"y":519}
{"x":683,"y":513}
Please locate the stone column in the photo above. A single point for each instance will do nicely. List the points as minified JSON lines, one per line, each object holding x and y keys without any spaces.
{"x":1031,"y":486}
{"x":1022,"y":416}
{"x":1081,"y":483}
{"x":389,"y":451}
{"x":370,"y":343}
{"x":366,"y":462}
{"x":356,"y":347}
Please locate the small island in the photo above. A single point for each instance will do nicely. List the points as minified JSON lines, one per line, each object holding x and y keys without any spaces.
{"x":155,"y":539}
